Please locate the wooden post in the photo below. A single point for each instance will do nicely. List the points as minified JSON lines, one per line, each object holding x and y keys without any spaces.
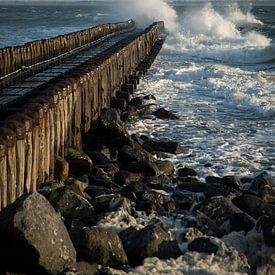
{"x":3,"y":174}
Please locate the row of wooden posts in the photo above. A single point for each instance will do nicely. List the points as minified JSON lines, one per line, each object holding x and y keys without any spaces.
{"x":15,"y":58}
{"x":31,"y":139}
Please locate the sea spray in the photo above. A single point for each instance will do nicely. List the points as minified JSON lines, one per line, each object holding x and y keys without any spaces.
{"x":145,"y":12}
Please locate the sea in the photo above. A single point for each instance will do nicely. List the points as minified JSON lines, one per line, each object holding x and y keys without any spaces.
{"x":216,"y":72}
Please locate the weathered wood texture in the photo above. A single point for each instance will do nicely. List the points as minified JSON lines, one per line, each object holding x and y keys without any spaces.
{"x":58,"y":117}
{"x":14,"y":58}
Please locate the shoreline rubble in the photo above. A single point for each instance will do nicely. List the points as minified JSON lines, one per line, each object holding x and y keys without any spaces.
{"x":116,"y":208}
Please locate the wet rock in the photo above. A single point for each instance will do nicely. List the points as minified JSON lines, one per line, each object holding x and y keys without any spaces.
{"x":248,"y":203}
{"x":203,"y":245}
{"x":111,"y":129}
{"x":37,"y":235}
{"x":262,"y":180}
{"x":267,"y":226}
{"x":146,"y":168}
{"x":102,"y":203}
{"x":231,"y":182}
{"x":61,"y":169}
{"x":125,"y":177}
{"x":211,"y":191}
{"x":146,"y":242}
{"x":76,"y":186}
{"x":149,"y":97}
{"x":266,"y":270}
{"x":165,"y":167}
{"x":99,"y":245}
{"x":136,"y":101}
{"x":186,"y":172}
{"x":184,"y":199}
{"x":95,"y":191}
{"x":81,"y":268}
{"x":162,"y":113}
{"x":98,"y":158}
{"x":118,"y":103}
{"x":191,"y":184}
{"x":74,"y":207}
{"x":267,"y":193}
{"x":103,"y":181}
{"x":107,"y":170}
{"x":118,"y":203}
{"x":79,"y":162}
{"x":241,"y":222}
{"x":161,"y":182}
{"x":218,"y":208}
{"x":202,"y":222}
{"x":136,"y":111}
{"x":211,"y":180}
{"x":189,"y":234}
{"x":149,"y":200}
{"x":152,"y":145}
{"x":128,"y":154}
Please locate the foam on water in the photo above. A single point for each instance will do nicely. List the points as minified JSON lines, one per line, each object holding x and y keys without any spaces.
{"x":215,"y":73}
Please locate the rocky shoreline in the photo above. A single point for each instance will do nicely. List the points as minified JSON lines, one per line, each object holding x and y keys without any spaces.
{"x":119,"y":207}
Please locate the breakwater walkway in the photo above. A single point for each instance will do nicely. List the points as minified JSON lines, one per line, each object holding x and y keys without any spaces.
{"x":53,"y":91}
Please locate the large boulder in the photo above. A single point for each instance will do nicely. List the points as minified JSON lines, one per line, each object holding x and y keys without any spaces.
{"x":99,"y":245}
{"x":148,"y":242}
{"x":162,"y":113}
{"x":153,"y":145}
{"x":110,"y":127}
{"x":39,"y":238}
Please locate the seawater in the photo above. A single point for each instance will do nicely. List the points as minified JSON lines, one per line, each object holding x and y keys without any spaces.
{"x":216,"y":71}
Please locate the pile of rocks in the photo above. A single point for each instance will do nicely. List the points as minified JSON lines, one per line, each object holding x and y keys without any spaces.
{"x":115,"y":208}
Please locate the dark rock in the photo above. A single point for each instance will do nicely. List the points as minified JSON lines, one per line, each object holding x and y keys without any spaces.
{"x":77,"y":187}
{"x":74,"y":207}
{"x":168,"y":250}
{"x":137,"y":111}
{"x":241,"y":222}
{"x":81,"y":268}
{"x":107,"y":170}
{"x":186,"y":172}
{"x":111,"y":129}
{"x":203,"y":245}
{"x":61,"y":169}
{"x":147,"y":242}
{"x":136,"y":101}
{"x":99,"y":245}
{"x":211,"y":180}
{"x":203,"y":223}
{"x":161,"y":182}
{"x":128,"y":154}
{"x":95,"y":191}
{"x":191,"y":184}
{"x":267,"y":194}
{"x":248,"y":203}
{"x":98,"y":158}
{"x":165,"y":167}
{"x":118,"y":103}
{"x":184,"y":199}
{"x":118,"y":203}
{"x":37,"y":236}
{"x":231,"y":182}
{"x":161,"y":113}
{"x":211,"y":191}
{"x":146,"y":167}
{"x":149,"y":97}
{"x":162,"y":146}
{"x":103,"y":181}
{"x":79,"y":162}
{"x":208,"y":165}
{"x":102,"y":203}
{"x":267,"y":226}
{"x":261,"y":180}
{"x":218,"y":208}
{"x":125,"y":177}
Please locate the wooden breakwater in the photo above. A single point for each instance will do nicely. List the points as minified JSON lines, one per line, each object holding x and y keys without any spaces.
{"x":16,"y":58}
{"x":32,"y":137}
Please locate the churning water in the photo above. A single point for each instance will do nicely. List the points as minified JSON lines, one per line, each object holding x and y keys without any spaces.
{"x":216,"y":72}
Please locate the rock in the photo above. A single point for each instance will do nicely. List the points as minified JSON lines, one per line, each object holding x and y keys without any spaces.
{"x":184,"y":199}
{"x":161,"y":182}
{"x":111,"y":129}
{"x":118,"y":103}
{"x":191,"y":184}
{"x":146,"y":168}
{"x":211,"y":191}
{"x":81,"y":268}
{"x":102,"y":203}
{"x":61,"y":169}
{"x":248,"y":203}
{"x":186,"y":172}
{"x":267,"y":225}
{"x":202,"y":222}
{"x":107,"y":170}
{"x":189,"y":234}
{"x":99,"y":245}
{"x":136,"y":111}
{"x":149,"y":97}
{"x":210,"y":180}
{"x":146,"y":242}
{"x":79,"y":162}
{"x":218,"y":208}
{"x":136,"y":101}
{"x":266,"y":270}
{"x":128,"y":154}
{"x":165,"y":167}
{"x":161,"y":113}
{"x":103,"y":181}
{"x":77,"y":187}
{"x":262,"y":180}
{"x":74,"y":207}
{"x":203,"y":245}
{"x":241,"y":222}
{"x":162,"y":146}
{"x":98,"y":158}
{"x":117,"y":203}
{"x":95,"y":191}
{"x":231,"y":182}
{"x":125,"y":177}
{"x":38,"y":236}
